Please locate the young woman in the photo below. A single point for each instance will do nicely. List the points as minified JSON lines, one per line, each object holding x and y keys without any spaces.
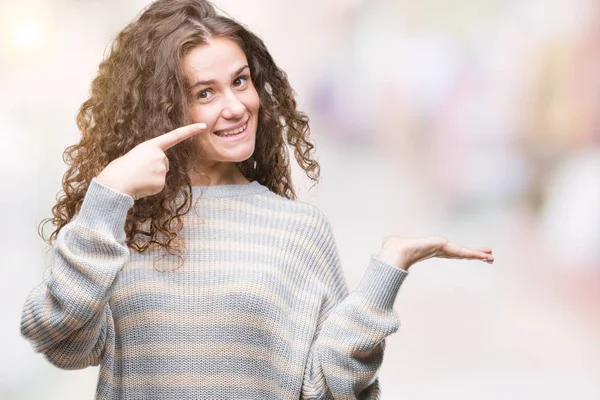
{"x":182,"y":262}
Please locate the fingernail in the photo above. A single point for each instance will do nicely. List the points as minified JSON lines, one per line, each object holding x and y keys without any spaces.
{"x":201,"y":125}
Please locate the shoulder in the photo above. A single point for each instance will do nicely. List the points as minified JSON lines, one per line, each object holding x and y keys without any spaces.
{"x":311,"y":227}
{"x":313,"y":239}
{"x":302,"y":212}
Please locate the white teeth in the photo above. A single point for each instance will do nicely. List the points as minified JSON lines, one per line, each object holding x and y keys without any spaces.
{"x":232,"y":132}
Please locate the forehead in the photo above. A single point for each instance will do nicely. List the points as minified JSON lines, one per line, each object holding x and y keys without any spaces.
{"x":215,"y":60}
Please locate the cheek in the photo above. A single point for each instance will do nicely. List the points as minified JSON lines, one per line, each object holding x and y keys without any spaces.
{"x":253,"y":101}
{"x":206,"y":114}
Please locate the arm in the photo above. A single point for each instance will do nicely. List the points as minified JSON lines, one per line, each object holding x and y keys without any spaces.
{"x":67,"y":317}
{"x":349,"y":342}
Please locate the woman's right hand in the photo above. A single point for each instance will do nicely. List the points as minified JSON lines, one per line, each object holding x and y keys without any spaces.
{"x":141,"y":172}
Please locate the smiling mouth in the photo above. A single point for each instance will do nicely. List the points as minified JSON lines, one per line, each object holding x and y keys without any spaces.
{"x":232,"y":132}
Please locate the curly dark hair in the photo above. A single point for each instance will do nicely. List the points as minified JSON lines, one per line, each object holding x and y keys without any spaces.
{"x":141,"y":91}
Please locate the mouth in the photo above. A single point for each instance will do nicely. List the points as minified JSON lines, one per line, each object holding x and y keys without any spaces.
{"x":236,"y":132}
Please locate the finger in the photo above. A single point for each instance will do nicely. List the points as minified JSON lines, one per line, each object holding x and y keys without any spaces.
{"x":476,"y":253}
{"x":484,"y":256}
{"x":454,"y":251}
{"x":167,"y":163}
{"x":170,"y":139}
{"x":463,"y":252}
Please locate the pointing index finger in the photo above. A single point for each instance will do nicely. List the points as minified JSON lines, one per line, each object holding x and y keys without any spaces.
{"x":170,"y":139}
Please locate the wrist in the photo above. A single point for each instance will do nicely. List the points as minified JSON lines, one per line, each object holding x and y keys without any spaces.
{"x":392,"y":257}
{"x":114,"y":185}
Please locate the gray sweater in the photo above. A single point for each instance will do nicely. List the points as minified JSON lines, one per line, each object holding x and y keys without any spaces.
{"x":259,"y":309}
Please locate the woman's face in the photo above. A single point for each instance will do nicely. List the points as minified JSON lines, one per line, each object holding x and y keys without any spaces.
{"x":225,"y":99}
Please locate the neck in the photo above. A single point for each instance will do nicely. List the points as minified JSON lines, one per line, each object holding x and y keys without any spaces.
{"x":219,"y":173}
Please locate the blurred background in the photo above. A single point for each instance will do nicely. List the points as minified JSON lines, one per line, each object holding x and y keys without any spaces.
{"x":477,"y":120}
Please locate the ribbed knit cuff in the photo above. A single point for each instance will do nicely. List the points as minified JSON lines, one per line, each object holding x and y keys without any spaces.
{"x":105,"y":210}
{"x":380,"y":283}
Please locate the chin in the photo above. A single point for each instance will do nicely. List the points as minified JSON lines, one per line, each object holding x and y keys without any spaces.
{"x":237,"y":155}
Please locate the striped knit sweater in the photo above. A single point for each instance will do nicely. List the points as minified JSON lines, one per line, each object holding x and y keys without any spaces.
{"x":259,"y":309}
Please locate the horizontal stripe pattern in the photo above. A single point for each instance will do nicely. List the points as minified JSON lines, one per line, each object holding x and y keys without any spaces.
{"x":259,"y":309}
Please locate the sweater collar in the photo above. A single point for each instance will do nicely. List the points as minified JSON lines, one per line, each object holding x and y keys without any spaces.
{"x":214,"y":191}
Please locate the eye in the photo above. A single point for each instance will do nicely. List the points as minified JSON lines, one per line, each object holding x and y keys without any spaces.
{"x":243,"y":79}
{"x":203,"y":94}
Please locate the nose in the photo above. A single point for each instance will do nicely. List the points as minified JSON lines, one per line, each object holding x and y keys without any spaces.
{"x":233,"y":107}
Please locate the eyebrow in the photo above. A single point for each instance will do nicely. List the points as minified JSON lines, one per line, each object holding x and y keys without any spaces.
{"x":212,"y":81}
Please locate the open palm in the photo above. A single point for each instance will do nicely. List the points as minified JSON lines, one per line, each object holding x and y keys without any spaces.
{"x":404,"y":252}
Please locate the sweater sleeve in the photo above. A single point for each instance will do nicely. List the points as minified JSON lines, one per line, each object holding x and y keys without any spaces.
{"x":67,"y":316}
{"x":347,"y":349}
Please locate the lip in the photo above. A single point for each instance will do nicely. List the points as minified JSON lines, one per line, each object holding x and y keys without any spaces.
{"x":233,"y":127}
{"x":237,"y":137}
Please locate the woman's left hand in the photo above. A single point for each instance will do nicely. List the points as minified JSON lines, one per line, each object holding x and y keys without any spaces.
{"x":405,"y":252}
